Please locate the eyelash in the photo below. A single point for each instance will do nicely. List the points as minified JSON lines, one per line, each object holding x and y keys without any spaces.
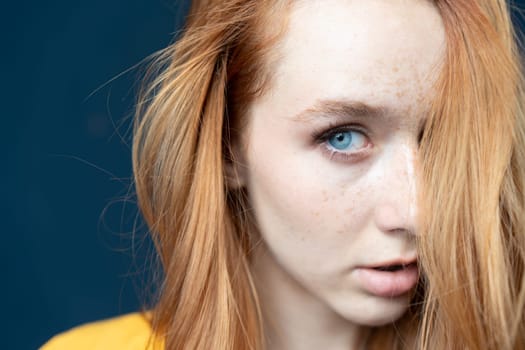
{"x":321,"y":138}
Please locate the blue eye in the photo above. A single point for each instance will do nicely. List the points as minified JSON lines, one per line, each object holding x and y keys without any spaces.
{"x":345,"y":140}
{"x":340,"y":140}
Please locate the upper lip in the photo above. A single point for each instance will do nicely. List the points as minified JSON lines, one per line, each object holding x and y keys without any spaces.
{"x":393,"y":262}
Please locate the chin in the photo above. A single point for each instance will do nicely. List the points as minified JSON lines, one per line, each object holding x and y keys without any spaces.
{"x":375,"y":311}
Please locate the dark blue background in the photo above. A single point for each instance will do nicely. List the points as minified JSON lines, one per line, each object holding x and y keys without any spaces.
{"x":69,"y":254}
{"x":67,"y":206}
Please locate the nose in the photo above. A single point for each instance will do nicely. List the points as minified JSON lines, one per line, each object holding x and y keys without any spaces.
{"x":396,"y":199}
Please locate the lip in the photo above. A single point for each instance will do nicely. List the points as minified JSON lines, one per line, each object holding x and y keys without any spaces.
{"x":399,"y":261}
{"x":389,"y":284}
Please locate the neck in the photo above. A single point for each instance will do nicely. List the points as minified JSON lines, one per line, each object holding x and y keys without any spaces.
{"x":294,"y":318}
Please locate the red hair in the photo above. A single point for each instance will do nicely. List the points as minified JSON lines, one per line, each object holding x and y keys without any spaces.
{"x":472,"y":172}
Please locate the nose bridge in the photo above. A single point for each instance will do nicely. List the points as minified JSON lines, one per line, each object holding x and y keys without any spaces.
{"x":396,"y":206}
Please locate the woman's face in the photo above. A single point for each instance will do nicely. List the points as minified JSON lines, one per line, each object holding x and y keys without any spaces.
{"x":330,"y":154}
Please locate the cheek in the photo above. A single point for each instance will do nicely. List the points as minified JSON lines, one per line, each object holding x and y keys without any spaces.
{"x":308,"y":214}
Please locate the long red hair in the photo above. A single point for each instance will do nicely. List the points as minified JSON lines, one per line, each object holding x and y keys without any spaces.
{"x":472,"y":172}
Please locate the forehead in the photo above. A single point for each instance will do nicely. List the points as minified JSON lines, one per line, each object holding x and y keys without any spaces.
{"x":383,"y":52}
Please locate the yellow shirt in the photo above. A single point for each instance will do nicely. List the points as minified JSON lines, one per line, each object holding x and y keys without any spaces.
{"x":131,"y":331}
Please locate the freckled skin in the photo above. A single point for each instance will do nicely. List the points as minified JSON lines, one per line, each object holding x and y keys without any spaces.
{"x":320,"y":218}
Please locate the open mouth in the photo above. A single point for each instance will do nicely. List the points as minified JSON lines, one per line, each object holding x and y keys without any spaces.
{"x":389,"y":279}
{"x":393,"y":268}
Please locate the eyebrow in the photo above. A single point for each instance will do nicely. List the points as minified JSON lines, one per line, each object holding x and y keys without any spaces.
{"x":340,"y":108}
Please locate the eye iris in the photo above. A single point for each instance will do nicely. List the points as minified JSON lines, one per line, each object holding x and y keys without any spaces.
{"x":340,"y":140}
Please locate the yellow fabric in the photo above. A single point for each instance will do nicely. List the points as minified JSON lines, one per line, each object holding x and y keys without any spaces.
{"x":130,"y":331}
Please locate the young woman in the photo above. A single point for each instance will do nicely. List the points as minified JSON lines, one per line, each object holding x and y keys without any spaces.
{"x":333,"y":174}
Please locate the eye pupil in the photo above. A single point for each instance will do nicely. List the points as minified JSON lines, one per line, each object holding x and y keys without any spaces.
{"x":341,"y":140}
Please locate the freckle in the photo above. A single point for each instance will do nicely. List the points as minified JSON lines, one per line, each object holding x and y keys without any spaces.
{"x":348,"y":211}
{"x":400,"y":94}
{"x":340,"y":232}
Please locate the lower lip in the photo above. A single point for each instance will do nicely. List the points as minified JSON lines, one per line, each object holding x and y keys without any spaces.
{"x":388,"y":284}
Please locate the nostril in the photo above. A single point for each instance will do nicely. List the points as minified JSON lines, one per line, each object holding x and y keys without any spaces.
{"x":421,"y":133}
{"x":402,"y":231}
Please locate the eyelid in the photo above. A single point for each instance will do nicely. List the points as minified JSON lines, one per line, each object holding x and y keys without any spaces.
{"x":325,"y":134}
